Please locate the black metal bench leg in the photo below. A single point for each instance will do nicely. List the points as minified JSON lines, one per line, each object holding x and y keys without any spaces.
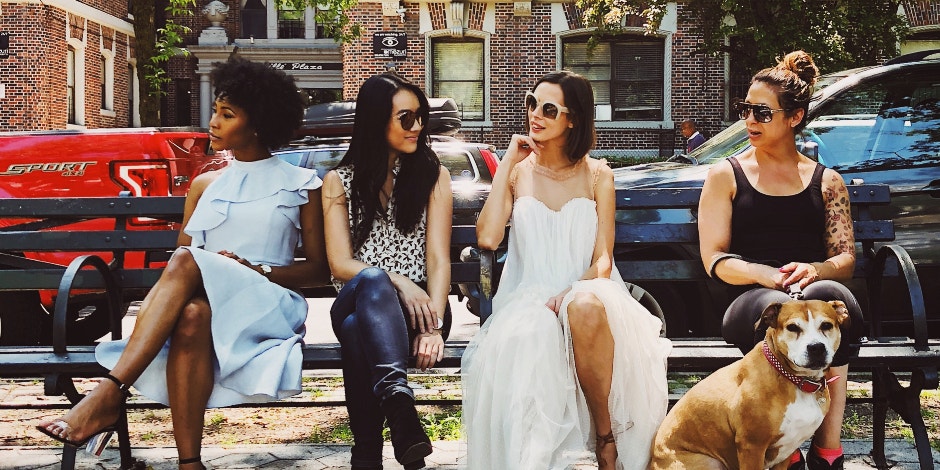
{"x":906,"y":402}
{"x":124,"y":443}
{"x":68,"y":457}
{"x":879,"y":416}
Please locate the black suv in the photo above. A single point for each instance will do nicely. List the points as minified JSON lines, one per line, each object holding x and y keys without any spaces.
{"x":874,"y":125}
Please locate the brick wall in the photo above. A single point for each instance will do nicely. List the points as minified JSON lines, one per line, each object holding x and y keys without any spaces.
{"x":698,"y":82}
{"x":922,"y":12}
{"x":35,"y":74}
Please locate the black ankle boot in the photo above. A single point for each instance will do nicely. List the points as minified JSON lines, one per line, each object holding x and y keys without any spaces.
{"x":801,"y":464}
{"x":410,"y":442}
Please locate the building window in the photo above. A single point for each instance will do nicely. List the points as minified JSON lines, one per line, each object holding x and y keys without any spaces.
{"x":627,"y":74}
{"x":70,"y":83}
{"x":458,"y":72}
{"x":107,"y":81}
{"x":740,"y":70}
{"x":290,"y":21}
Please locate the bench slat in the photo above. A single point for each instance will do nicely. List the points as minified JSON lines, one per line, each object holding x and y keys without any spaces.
{"x":83,"y":207}
{"x":96,"y":240}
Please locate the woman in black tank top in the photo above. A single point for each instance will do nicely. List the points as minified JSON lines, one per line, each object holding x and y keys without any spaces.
{"x":771,"y":218}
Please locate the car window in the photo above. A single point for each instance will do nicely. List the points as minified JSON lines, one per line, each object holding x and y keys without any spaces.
{"x":892,"y":122}
{"x":459,"y":163}
{"x":294,"y":158}
{"x":726,"y":143}
{"x":325,"y":160}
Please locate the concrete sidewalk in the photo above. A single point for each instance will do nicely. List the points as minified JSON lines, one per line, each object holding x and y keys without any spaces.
{"x":447,"y":455}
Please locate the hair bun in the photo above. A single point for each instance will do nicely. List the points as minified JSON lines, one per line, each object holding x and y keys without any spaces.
{"x":800,"y":63}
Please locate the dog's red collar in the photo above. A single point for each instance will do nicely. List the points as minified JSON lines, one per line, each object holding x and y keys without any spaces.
{"x":802,"y":383}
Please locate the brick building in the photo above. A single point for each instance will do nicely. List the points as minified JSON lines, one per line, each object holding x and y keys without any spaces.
{"x":66,"y":63}
{"x":484,"y":54}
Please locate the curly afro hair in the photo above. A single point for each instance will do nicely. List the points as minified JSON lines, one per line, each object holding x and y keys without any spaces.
{"x":274,"y":105}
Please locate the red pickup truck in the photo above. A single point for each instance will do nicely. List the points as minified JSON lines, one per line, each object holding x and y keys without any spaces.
{"x":90,"y":163}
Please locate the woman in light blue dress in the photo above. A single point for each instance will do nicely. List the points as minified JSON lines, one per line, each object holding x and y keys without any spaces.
{"x":221,"y":325}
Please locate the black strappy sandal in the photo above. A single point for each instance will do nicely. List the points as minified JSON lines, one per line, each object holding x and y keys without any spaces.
{"x":601,"y":442}
{"x":96,"y":441}
{"x":196,"y":459}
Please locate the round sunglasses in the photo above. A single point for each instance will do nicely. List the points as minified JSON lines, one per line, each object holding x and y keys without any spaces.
{"x":549,"y":109}
{"x":762,"y":112}
{"x":407,"y":118}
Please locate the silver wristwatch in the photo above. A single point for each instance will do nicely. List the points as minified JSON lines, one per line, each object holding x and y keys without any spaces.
{"x":265,"y":270}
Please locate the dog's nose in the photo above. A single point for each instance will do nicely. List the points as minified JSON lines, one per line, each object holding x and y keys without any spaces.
{"x":816,"y":353}
{"x":816,"y":348}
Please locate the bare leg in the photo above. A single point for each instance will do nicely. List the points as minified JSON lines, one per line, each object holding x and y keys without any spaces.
{"x":829,"y":433}
{"x":155,"y":322}
{"x":594,"y":361}
{"x":189,"y":377}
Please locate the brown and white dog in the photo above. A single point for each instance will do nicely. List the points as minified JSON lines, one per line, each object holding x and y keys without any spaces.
{"x":754,"y":413}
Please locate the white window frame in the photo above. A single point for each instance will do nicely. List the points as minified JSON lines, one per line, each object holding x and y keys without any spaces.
{"x":134,"y":85}
{"x":429,"y":38}
{"x":78,"y":71}
{"x":107,"y":77}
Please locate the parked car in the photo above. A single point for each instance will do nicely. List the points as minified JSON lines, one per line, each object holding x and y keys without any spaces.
{"x":325,"y":139}
{"x":874,"y":124}
{"x":89,"y":163}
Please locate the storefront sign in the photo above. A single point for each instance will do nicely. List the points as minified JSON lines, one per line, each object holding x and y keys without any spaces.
{"x":4,"y":45}
{"x":288,"y":66}
{"x":389,"y":45}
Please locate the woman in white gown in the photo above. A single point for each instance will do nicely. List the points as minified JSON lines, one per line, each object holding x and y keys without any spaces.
{"x":221,"y":325}
{"x":569,"y":362}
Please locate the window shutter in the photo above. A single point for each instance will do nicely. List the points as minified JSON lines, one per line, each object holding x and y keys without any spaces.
{"x":638,"y":79}
{"x":595,"y":66}
{"x":458,"y":74}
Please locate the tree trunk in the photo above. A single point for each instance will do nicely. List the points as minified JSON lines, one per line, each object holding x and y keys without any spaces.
{"x":145,"y":33}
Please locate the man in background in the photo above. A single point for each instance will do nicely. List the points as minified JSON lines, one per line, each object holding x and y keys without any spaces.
{"x":693,"y":138}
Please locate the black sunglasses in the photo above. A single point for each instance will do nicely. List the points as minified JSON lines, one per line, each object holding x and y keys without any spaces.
{"x":549,"y":109}
{"x":407,"y":118}
{"x":762,"y":112}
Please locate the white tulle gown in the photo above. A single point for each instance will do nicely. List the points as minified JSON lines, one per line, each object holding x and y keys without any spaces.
{"x":523,"y":407}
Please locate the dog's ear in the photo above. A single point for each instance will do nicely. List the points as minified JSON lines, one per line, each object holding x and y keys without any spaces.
{"x":769,"y":317}
{"x":842,"y":312}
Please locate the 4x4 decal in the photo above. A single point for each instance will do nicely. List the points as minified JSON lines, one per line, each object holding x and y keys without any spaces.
{"x":66,"y":168}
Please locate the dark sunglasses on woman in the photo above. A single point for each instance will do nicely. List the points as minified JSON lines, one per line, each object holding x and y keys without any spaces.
{"x":549,"y":109}
{"x":762,"y":112}
{"x":407,"y":118}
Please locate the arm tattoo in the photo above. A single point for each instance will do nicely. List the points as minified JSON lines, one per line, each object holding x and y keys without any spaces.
{"x":840,"y":237}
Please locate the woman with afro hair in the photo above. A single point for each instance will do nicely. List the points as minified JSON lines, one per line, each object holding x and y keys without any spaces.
{"x":222,"y":326}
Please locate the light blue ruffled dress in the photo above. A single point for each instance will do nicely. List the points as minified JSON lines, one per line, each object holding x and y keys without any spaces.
{"x":252,"y":210}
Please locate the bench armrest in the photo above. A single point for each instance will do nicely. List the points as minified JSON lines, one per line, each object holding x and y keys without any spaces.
{"x":60,"y":314}
{"x":874,"y":280}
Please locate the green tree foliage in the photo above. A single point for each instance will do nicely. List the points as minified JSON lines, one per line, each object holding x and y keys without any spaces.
{"x":839,"y":34}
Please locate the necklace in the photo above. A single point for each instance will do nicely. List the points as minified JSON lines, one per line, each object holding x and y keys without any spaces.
{"x":558,"y":175}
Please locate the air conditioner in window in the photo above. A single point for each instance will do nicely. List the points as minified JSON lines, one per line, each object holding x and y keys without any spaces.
{"x":602,"y":112}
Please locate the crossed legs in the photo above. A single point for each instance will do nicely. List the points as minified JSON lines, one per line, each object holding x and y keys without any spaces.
{"x":594,"y":361}
{"x":161,"y":312}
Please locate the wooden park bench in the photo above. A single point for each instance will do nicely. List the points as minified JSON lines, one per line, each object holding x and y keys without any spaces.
{"x":914,"y":357}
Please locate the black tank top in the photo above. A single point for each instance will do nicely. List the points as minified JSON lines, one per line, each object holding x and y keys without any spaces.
{"x":776,"y":230}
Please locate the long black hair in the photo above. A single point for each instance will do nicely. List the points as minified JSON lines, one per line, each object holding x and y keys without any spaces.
{"x":368,"y":155}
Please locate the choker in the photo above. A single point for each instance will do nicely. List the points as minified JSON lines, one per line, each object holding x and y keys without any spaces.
{"x":558,"y":175}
